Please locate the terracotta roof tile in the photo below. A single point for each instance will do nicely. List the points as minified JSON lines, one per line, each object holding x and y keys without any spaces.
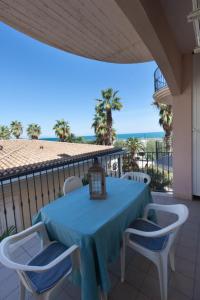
{"x":21,"y":154}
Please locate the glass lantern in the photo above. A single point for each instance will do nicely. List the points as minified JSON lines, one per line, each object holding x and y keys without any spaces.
{"x":97,"y":183}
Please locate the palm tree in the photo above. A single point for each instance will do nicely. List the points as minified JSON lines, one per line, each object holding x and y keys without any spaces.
{"x":103,"y":121}
{"x":100,"y":126}
{"x":62,"y":129}
{"x":4,"y":132}
{"x":72,"y":138}
{"x":166,"y":121}
{"x":134,"y":145}
{"x":16,"y":129}
{"x":33,"y":131}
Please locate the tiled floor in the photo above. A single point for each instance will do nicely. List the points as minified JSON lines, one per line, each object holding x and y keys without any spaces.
{"x":141,"y":277}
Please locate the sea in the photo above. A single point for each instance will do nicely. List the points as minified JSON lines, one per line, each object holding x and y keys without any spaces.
{"x":120,"y":136}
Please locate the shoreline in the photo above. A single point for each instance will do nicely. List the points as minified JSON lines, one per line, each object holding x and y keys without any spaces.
{"x":120,"y":137}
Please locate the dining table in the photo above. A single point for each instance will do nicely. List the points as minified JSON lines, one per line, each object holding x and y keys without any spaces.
{"x":96,"y":226}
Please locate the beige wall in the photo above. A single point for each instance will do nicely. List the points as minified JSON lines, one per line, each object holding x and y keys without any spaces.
{"x":182,"y":144}
{"x":196,"y":124}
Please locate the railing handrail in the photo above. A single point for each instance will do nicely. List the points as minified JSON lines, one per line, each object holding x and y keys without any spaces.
{"x":159,"y":80}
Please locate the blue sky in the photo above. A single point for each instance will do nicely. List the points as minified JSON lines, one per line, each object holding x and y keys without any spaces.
{"x":41,"y":84}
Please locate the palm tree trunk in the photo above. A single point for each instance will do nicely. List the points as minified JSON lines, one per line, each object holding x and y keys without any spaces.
{"x":109,"y":127}
{"x":168,"y":141}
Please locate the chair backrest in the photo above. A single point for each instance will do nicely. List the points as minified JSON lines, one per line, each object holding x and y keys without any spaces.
{"x":180,"y":210}
{"x":137,"y":176}
{"x":72,"y":183}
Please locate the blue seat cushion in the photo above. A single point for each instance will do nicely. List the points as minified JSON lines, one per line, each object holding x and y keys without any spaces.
{"x":43,"y":281}
{"x":154,"y":244}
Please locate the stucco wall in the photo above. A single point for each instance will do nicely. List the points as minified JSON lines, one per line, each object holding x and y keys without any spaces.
{"x":196,"y":125}
{"x":182,"y":128}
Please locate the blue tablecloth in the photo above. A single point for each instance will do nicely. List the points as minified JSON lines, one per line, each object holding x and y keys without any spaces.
{"x":96,"y":226}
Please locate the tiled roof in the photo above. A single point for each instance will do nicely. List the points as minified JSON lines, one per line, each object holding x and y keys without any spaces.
{"x":23,"y":154}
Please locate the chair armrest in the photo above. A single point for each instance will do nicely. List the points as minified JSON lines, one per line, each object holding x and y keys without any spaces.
{"x":154,"y":234}
{"x":71,"y":251}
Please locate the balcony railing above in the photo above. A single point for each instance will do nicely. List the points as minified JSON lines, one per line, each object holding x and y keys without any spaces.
{"x":159,"y":80}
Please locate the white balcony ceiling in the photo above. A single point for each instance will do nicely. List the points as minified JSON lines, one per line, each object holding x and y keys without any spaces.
{"x":97,"y":29}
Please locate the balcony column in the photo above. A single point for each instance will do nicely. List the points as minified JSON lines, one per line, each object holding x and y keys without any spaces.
{"x":182,"y":129}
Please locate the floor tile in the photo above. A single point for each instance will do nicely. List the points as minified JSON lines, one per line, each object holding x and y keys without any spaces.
{"x":173,"y":294}
{"x":9,"y":285}
{"x":150,"y":288}
{"x":184,"y":267}
{"x":182,"y":284}
{"x":123,"y":291}
{"x":135,"y":277}
{"x":141,"y":296}
{"x":186,"y":253}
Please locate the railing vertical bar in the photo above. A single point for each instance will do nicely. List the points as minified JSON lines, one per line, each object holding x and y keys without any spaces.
{"x":21,"y":201}
{"x":163,"y":166}
{"x":115,"y":165}
{"x":4,"y":204}
{"x":110,"y":166}
{"x":142,"y":163}
{"x":47,"y":181}
{"x":83,"y":167}
{"x":106,"y":164}
{"x":79,"y":174}
{"x":59,"y":186}
{"x":54,"y":190}
{"x":68,"y":170}
{"x":13,"y":204}
{"x":157,"y":164}
{"x":168,"y":166}
{"x":101,"y":158}
{"x":129,"y":161}
{"x":147,"y":163}
{"x":29,"y":201}
{"x":41,"y":187}
{"x":119,"y":165}
{"x":36,"y":204}
{"x":64,"y":173}
{"x":88,"y":166}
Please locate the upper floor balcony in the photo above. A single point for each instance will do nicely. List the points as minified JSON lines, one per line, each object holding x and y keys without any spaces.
{"x":159,"y":80}
{"x":162,"y":92}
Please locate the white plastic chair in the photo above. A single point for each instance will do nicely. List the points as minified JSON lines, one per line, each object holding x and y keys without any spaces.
{"x":137,"y":176}
{"x":71,"y":183}
{"x":47,"y":270}
{"x":154,"y":242}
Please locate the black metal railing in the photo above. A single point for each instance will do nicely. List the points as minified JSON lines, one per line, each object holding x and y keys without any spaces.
{"x":159,"y":80}
{"x":23,"y":194}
